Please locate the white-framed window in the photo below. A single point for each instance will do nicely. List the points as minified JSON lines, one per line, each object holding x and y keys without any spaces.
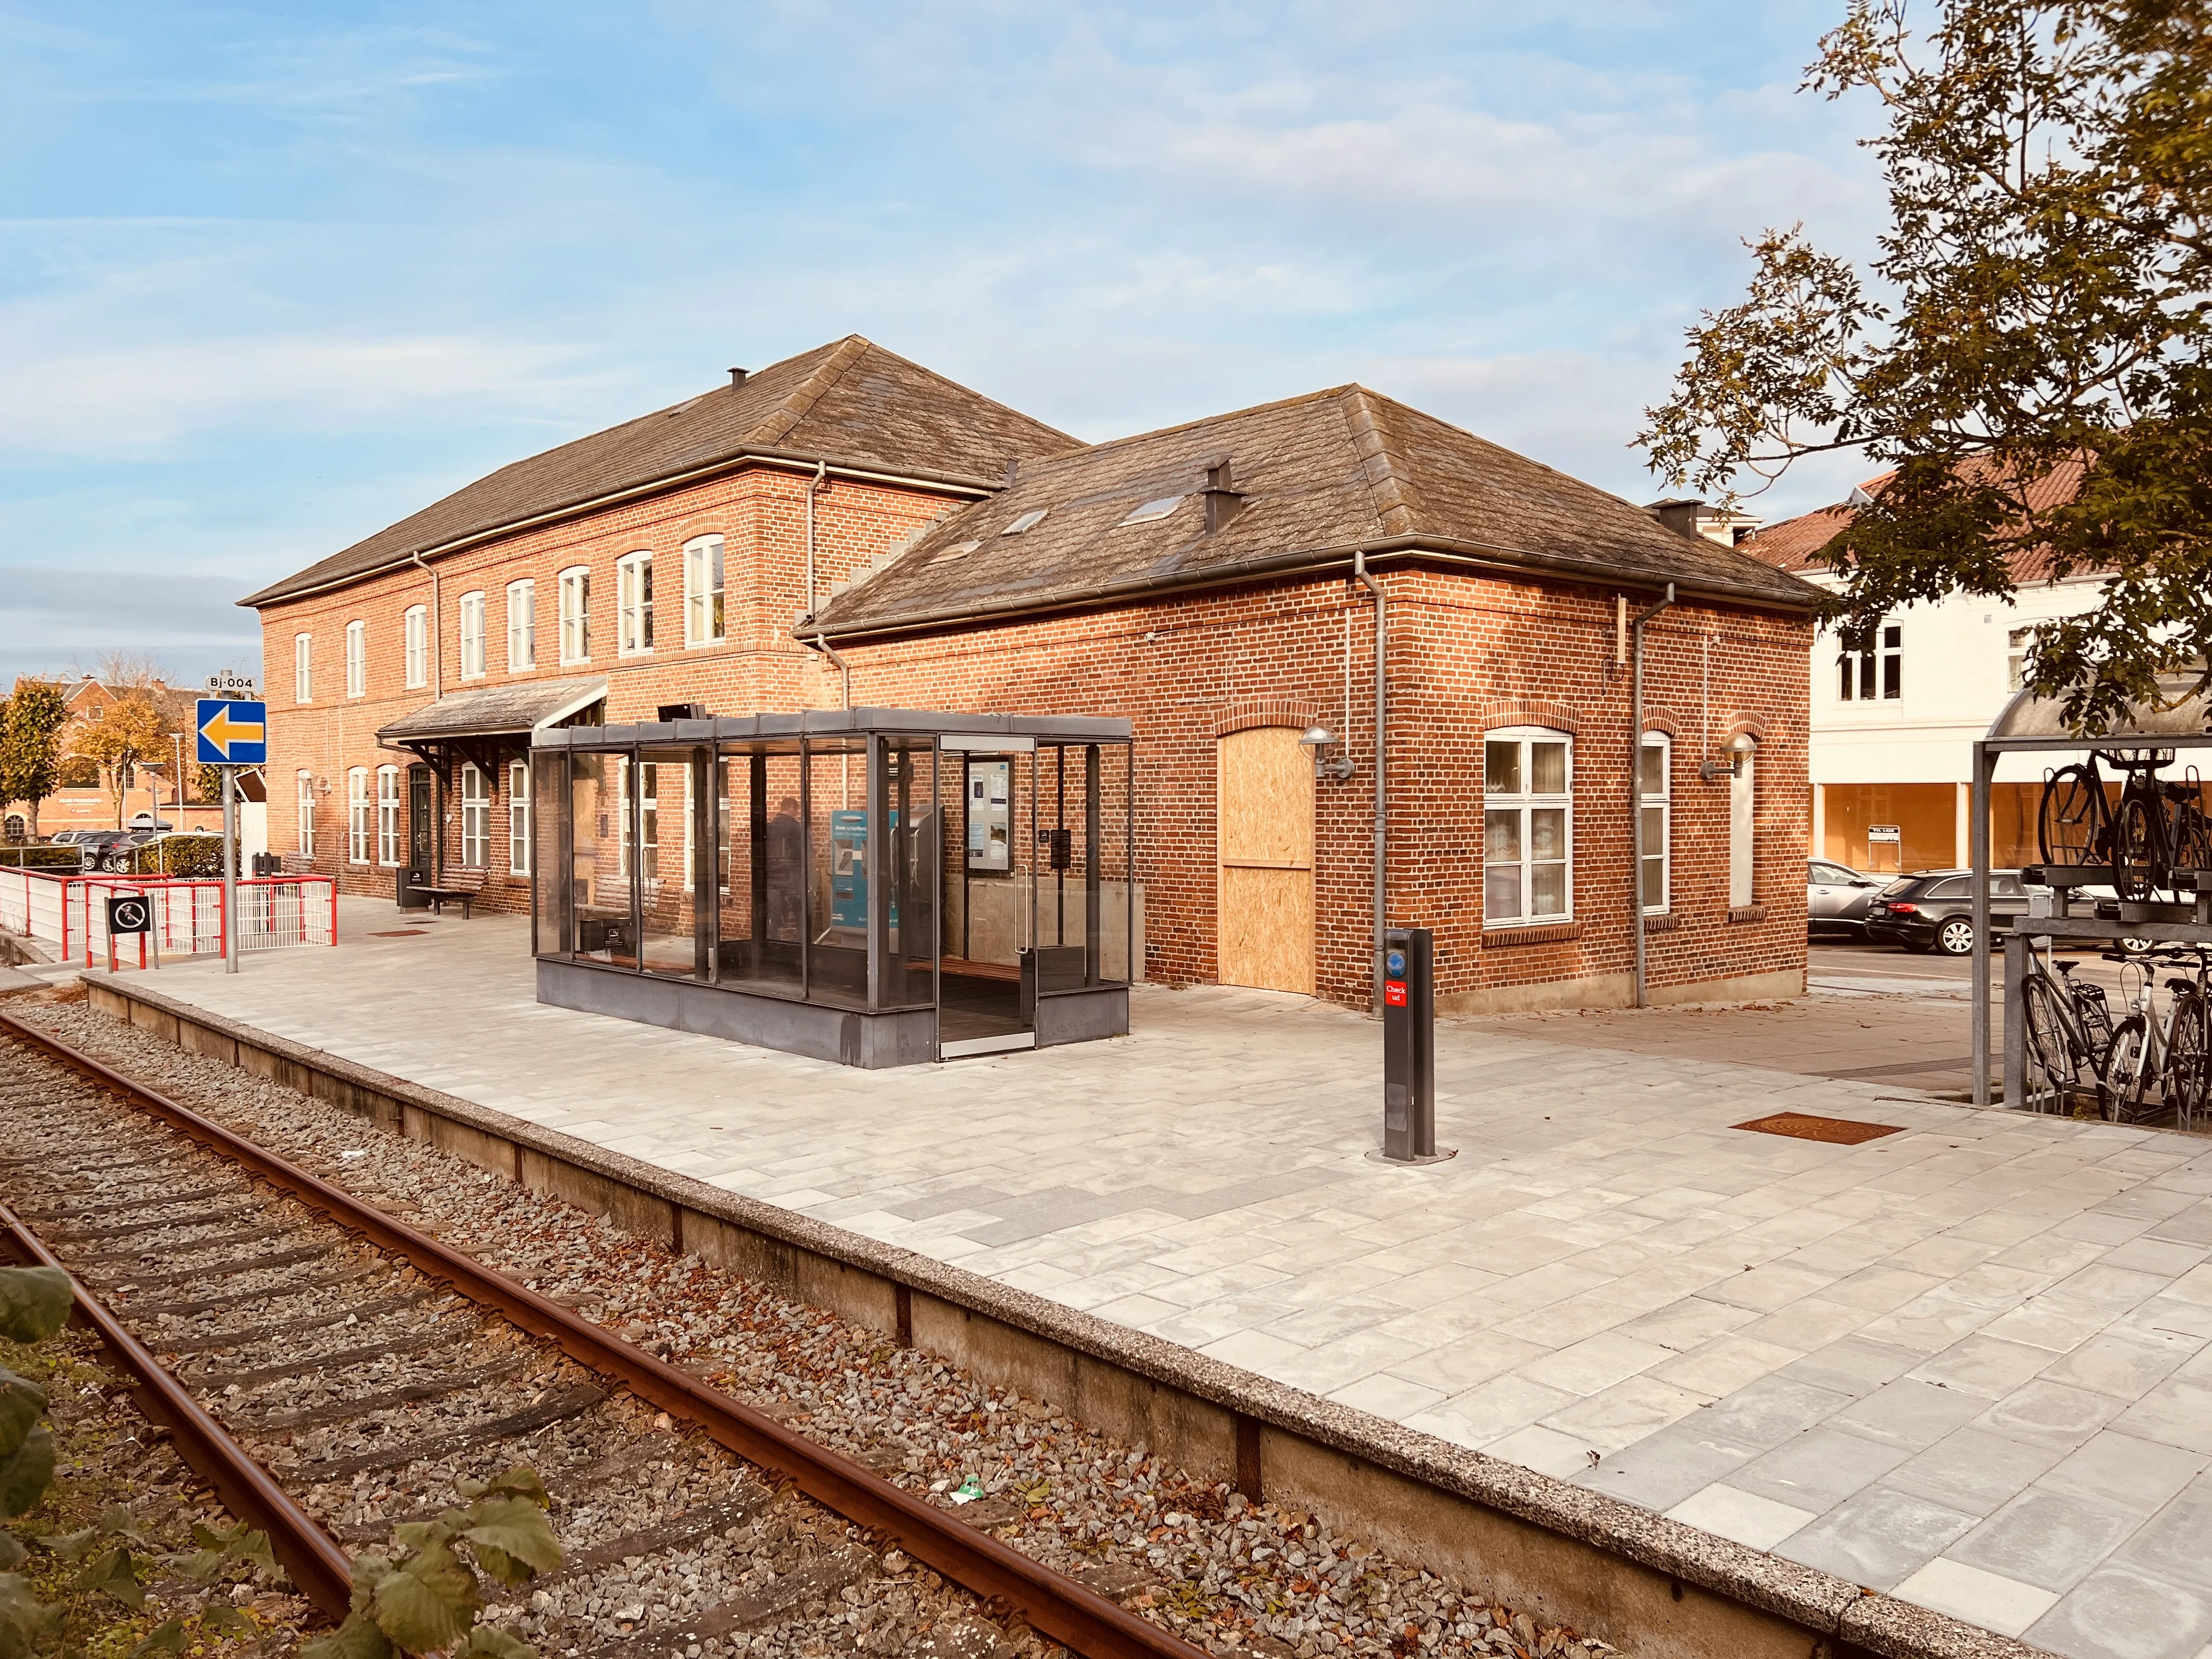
{"x":476,"y":818}
{"x":521,"y":626}
{"x":647,"y":867}
{"x":1861,"y":677}
{"x":634,"y":604}
{"x":360,"y":820}
{"x":306,"y":797}
{"x":576,"y":615}
{"x":303,"y":668}
{"x":356,"y":659}
{"x":1528,"y":826}
{"x":1654,"y":802}
{"x":387,"y":815}
{"x":415,"y":636}
{"x":472,"y":635}
{"x":2017,"y":642}
{"x":518,"y":817}
{"x":1743,"y":799}
{"x":703,"y":591}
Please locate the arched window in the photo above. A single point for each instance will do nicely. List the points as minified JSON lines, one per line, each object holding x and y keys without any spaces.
{"x":576,"y":615}
{"x":1743,"y":800}
{"x":634,"y":605}
{"x":1654,"y":807}
{"x":476,"y":818}
{"x":703,"y":591}
{"x":472,"y":635}
{"x":518,"y":817}
{"x":521,"y":626}
{"x":1528,"y":826}
{"x":387,"y":815}
{"x":360,"y":821}
{"x":416,"y":636}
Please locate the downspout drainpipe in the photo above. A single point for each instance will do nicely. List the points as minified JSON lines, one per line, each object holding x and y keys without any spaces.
{"x":813,"y":488}
{"x":1382,"y":793}
{"x":1636,"y":785}
{"x":838,"y":663}
{"x":437,"y":695}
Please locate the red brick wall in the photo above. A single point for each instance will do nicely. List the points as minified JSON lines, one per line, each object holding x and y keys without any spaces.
{"x":761,"y":514}
{"x":1468,"y":652}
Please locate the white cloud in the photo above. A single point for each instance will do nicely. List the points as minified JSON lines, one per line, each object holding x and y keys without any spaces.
{"x":88,"y":401}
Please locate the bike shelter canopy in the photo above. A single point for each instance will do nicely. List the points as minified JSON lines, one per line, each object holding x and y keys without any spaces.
{"x":2180,"y":720}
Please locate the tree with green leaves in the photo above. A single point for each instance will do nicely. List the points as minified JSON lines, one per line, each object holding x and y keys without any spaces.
{"x":30,"y":745}
{"x":2038,"y":304}
{"x":132,"y":731}
{"x":33,"y":1303}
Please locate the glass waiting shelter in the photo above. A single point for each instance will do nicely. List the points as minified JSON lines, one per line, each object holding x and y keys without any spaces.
{"x":878,"y":887}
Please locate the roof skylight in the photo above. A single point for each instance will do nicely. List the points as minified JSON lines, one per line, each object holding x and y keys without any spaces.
{"x":1029,"y":520}
{"x":957,"y":550}
{"x":1154,"y":509}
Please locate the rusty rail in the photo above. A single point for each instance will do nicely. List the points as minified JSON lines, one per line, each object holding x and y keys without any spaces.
{"x":1053,"y":1604}
{"x":318,"y":1566}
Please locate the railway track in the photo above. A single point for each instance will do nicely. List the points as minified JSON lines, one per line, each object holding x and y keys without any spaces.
{"x":332,"y":1371}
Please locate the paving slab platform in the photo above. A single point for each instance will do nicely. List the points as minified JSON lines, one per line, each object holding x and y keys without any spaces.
{"x":1964,"y":1363}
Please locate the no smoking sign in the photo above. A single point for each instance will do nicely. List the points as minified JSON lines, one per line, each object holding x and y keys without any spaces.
{"x":130,"y":913}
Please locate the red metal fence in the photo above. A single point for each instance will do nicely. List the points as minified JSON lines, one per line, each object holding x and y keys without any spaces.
{"x":71,"y":912}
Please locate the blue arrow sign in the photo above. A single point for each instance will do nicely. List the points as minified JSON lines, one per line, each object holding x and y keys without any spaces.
{"x":232,"y":733}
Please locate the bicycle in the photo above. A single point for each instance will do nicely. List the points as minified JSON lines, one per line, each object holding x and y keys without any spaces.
{"x":2151,"y":1067}
{"x":2154,"y":827}
{"x":2067,"y":1027}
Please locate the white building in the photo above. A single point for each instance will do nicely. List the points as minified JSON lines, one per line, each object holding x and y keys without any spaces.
{"x":1892,"y":759}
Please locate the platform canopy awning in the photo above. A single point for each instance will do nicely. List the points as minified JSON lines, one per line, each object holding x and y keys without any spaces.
{"x":2031,"y":722}
{"x":482,"y":724}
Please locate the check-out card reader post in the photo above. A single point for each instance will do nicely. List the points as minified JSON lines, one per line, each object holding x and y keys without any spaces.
{"x":1409,"y":1048}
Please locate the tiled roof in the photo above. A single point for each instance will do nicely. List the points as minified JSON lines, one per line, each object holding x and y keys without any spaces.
{"x":1791,"y":544}
{"x":496,"y":710}
{"x":850,"y":402}
{"x":1318,"y":475}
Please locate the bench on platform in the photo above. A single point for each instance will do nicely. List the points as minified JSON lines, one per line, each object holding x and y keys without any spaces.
{"x":436,"y":897}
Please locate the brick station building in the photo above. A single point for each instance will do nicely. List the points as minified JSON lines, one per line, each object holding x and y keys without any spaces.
{"x":846,"y":527}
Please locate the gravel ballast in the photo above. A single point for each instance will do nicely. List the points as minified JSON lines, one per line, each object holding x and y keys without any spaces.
{"x":1194,"y":1557}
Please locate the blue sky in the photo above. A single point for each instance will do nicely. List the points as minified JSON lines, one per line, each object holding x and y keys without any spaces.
{"x":273,"y":276}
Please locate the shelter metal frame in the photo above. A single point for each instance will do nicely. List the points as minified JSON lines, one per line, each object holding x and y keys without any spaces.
{"x":872,"y":996}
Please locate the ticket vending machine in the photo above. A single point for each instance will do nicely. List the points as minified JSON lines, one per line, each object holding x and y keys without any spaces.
{"x":849,"y":870}
{"x":1409,"y":1048}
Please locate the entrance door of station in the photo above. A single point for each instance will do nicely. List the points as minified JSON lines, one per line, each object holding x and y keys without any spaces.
{"x":987,"y":803}
{"x":1264,"y":916}
{"x":422,"y":822}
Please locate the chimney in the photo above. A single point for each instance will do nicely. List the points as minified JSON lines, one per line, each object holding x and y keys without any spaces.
{"x":737,"y":378}
{"x":1222,"y":503}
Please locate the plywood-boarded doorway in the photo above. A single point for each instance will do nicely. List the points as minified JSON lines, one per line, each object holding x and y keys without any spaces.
{"x":1265,"y":914}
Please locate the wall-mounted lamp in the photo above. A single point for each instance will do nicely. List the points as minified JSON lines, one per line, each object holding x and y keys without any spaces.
{"x":1318,"y":738}
{"x":1738,"y":751}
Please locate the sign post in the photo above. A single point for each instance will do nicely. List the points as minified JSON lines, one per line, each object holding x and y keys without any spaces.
{"x":132,"y":912}
{"x":233,"y":731}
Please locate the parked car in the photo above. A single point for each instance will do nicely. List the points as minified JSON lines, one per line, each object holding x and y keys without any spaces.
{"x":1934,"y":910}
{"x":103,"y":849}
{"x":1837,"y":897}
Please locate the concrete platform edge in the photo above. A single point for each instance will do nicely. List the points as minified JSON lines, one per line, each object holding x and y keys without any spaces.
{"x":1635,"y":1578}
